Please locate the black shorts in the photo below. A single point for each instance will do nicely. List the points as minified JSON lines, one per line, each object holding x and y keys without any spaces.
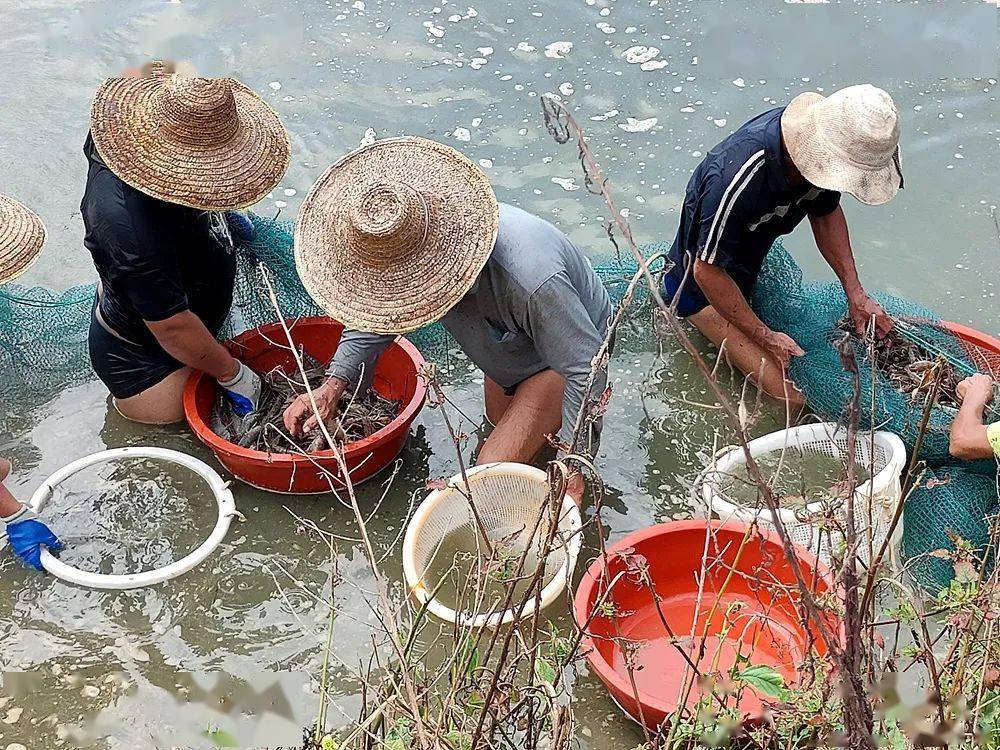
{"x":127,"y":369}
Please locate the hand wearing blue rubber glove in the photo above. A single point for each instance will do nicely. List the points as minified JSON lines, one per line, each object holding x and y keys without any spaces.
{"x":243,"y":389}
{"x":27,"y":535}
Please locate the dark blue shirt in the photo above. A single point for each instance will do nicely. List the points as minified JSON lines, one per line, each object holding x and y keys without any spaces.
{"x":738,"y":202}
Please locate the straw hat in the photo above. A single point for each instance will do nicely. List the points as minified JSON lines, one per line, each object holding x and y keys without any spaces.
{"x":848,"y":141}
{"x":395,"y":233}
{"x":21,"y":237}
{"x":207,"y":143}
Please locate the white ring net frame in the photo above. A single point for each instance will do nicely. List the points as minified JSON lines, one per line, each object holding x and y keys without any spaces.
{"x":220,"y":489}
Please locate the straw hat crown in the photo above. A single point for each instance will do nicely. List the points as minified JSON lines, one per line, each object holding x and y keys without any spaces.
{"x":394,"y":234}
{"x":848,"y":141}
{"x":207,"y":143}
{"x":388,"y":222}
{"x":22,"y":235}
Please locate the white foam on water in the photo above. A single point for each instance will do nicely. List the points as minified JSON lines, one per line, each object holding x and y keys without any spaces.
{"x":606,"y":116}
{"x":632,"y":125}
{"x":566,"y":89}
{"x":558,"y":50}
{"x":653,"y":65}
{"x":461,"y":134}
{"x":739,"y":83}
{"x":525,"y":47}
{"x":275,"y":85}
{"x":369,"y":137}
{"x":566,"y":183}
{"x":640,"y":54}
{"x":435,"y":31}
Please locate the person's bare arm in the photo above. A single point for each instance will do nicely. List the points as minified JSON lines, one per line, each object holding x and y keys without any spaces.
{"x":834,"y":243}
{"x":969,"y":437}
{"x":185,"y":338}
{"x":727,"y":298}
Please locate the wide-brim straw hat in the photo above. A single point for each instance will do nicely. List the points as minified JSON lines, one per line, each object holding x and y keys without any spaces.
{"x":208,"y":143}
{"x":848,"y":141}
{"x":394,"y":234}
{"x":22,"y":235}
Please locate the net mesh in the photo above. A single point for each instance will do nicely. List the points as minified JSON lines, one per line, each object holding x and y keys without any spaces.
{"x":43,"y":343}
{"x":43,"y":334}
{"x":951,"y":501}
{"x":809,"y":312}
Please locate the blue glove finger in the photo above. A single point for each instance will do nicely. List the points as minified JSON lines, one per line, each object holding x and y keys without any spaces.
{"x":33,"y":557}
{"x":51,"y":541}
{"x":241,"y":404}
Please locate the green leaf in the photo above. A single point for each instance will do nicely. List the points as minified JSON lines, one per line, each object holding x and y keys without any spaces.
{"x":329,"y":743}
{"x":545,"y":672}
{"x":220,"y":738}
{"x":764,"y":680}
{"x":457,"y":740}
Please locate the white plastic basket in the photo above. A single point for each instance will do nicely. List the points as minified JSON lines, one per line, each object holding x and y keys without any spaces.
{"x":508,"y":498}
{"x":875,"y":501}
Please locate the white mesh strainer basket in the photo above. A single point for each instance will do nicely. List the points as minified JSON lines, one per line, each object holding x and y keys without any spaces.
{"x":508,"y":498}
{"x":875,"y":501}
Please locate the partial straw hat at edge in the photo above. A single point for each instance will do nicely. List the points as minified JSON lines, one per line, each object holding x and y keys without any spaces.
{"x":207,"y":143}
{"x":22,"y":235}
{"x":848,"y":141}
{"x":394,"y":234}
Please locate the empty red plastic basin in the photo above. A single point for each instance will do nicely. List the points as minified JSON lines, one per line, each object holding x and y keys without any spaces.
{"x":397,"y":376}
{"x":983,"y":349}
{"x":750,"y":612}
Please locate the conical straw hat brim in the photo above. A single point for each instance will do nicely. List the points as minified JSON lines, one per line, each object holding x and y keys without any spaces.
{"x":821,"y":164}
{"x":398,"y":296}
{"x":207,"y":176}
{"x":22,"y":235}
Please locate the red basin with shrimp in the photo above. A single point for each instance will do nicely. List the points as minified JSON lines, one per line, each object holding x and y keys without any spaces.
{"x":397,"y":376}
{"x":638,"y":640}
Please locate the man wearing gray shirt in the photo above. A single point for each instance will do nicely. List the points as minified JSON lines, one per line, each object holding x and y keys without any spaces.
{"x":407,"y":231}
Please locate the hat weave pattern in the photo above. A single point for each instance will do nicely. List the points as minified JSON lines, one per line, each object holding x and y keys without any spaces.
{"x":22,"y":235}
{"x":207,"y":143}
{"x":393,"y":235}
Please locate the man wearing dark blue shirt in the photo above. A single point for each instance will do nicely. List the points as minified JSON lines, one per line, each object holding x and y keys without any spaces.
{"x":758,"y":184}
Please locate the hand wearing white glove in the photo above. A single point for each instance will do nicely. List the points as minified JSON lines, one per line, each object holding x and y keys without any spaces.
{"x":243,"y":389}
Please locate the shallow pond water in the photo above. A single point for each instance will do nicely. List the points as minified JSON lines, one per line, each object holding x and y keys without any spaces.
{"x":468,"y":74}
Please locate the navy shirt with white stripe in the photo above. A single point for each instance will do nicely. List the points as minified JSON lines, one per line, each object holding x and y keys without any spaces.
{"x":738,"y":202}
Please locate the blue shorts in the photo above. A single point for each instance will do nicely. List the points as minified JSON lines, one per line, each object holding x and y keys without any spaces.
{"x":691,"y":300}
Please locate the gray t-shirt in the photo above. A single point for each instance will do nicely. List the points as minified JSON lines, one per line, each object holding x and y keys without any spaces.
{"x":537,"y":305}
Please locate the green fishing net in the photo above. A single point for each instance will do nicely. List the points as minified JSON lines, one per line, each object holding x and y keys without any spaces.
{"x":809,"y":312}
{"x":43,"y":342}
{"x":952,"y":501}
{"x":43,"y":334}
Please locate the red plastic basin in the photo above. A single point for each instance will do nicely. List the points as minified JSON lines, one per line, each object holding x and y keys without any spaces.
{"x":751,"y":613}
{"x":397,"y":376}
{"x":983,"y":349}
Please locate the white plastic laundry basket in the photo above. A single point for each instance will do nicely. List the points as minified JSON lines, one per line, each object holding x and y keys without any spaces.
{"x":508,"y":498}
{"x":875,"y":501}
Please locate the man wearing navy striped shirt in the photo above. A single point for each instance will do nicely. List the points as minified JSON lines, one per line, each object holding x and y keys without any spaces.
{"x":760,"y":183}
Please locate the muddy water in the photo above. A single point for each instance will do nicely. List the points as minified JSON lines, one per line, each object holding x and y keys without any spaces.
{"x":468,"y":74}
